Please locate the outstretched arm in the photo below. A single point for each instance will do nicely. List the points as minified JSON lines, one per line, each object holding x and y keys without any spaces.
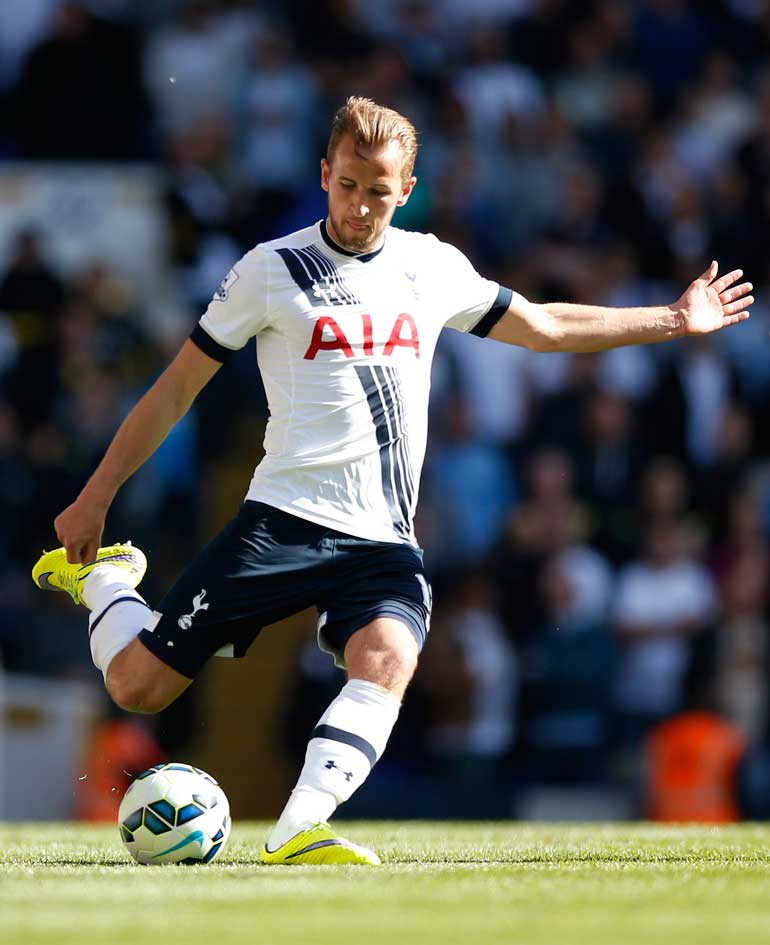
{"x":80,"y":526}
{"x":708,"y":304}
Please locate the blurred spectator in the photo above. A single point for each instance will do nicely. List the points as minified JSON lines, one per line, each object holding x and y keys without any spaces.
{"x":732,"y":226}
{"x":15,"y":489}
{"x":191,"y":68}
{"x":732,"y":656}
{"x":663,"y":599}
{"x":493,"y":88}
{"x":671,"y":41}
{"x":31,"y":295}
{"x":742,"y":534}
{"x":469,"y":488}
{"x":664,"y":492}
{"x":691,"y":769}
{"x":719,"y":115}
{"x":584,"y":89}
{"x":467,"y":686}
{"x":201,"y":177}
{"x":567,"y":670}
{"x":539,"y":38}
{"x":689,"y":403}
{"x":23,"y":24}
{"x":482,"y":371}
{"x":549,"y":521}
{"x":752,"y":154}
{"x":608,"y":460}
{"x":728,"y":471}
{"x":611,"y":456}
{"x":79,"y":96}
{"x":558,"y":412}
{"x":279,"y":103}
{"x":334,"y":33}
{"x":578,"y":232}
{"x":418,"y":31}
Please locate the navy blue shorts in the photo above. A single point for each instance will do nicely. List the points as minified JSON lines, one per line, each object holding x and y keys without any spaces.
{"x":266,"y":565}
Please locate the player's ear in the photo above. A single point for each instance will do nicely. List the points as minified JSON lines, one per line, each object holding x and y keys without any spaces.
{"x":406,"y":191}
{"x":325,"y":171}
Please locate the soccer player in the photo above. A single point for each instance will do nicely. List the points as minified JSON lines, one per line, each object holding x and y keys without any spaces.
{"x":346,"y":314}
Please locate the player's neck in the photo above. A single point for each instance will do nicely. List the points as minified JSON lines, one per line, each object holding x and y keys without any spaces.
{"x":330,"y":238}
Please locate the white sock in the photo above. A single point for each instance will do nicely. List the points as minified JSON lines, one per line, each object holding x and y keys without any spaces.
{"x":118,"y":613}
{"x":345,"y":745}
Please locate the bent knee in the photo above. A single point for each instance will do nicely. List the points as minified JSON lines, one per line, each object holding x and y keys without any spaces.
{"x":138,"y":681}
{"x":135,"y":696}
{"x":390,"y":669}
{"x":401,"y":661}
{"x":142,"y":694}
{"x":389,"y":660}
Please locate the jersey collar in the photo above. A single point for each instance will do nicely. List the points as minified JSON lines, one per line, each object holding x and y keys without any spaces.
{"x":361,"y":257}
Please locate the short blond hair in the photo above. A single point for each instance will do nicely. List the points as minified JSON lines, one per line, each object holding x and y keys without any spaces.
{"x":372,"y":124}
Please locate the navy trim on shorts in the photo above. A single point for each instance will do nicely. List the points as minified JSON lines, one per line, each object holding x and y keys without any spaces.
{"x":334,"y":635}
{"x":499,"y":307}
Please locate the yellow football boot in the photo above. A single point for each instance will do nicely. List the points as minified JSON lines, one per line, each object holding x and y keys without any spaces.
{"x":319,"y":844}
{"x":54,"y":573}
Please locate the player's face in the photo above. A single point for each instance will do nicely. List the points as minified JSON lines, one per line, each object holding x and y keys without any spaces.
{"x":364,"y":187}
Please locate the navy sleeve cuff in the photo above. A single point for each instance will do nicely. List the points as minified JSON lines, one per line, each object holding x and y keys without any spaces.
{"x":208,"y":346}
{"x":499,"y":307}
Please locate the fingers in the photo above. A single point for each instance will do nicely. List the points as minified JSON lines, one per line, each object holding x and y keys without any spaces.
{"x":82,"y":553}
{"x":741,"y":305}
{"x":734,"y":319}
{"x":74,"y":554}
{"x":724,"y":282}
{"x":729,"y":295}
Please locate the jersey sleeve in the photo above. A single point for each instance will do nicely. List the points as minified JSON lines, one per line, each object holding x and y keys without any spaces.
{"x":467,"y":301}
{"x":238,"y":310}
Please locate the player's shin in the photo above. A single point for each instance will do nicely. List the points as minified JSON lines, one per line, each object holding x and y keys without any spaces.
{"x":346,"y":743}
{"x":118,"y":613}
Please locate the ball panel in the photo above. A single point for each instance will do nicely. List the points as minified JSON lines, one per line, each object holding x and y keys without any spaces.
{"x":206,"y":800}
{"x":164,"y":810}
{"x":154,"y":824}
{"x":133,"y":821}
{"x":187,"y":813}
{"x":212,"y":853}
{"x":148,"y":772}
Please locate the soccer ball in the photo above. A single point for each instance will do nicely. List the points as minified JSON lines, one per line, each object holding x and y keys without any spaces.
{"x":174,"y":813}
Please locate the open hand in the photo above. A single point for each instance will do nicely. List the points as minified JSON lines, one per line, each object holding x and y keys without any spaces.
{"x":709,"y":304}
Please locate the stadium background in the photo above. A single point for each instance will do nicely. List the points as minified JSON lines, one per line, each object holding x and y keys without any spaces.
{"x":596,"y":526}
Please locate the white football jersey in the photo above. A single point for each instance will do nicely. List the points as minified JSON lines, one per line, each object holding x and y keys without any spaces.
{"x":344,"y":345}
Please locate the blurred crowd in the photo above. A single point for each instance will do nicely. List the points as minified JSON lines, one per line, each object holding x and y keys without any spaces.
{"x":596,"y":526}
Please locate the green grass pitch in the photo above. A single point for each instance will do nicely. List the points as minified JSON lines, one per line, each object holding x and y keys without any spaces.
{"x":441,"y":884}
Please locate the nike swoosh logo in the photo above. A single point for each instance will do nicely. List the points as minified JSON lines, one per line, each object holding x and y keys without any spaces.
{"x":335,"y":842}
{"x":42,"y":581}
{"x":119,"y":557}
{"x":195,"y":837}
